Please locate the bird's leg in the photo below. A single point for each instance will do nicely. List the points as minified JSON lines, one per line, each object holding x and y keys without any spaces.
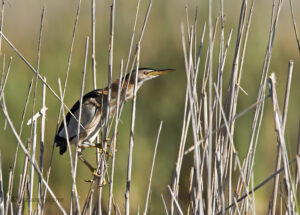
{"x":93,"y":170}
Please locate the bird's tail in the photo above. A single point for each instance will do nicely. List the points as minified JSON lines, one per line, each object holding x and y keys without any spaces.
{"x":62,"y":143}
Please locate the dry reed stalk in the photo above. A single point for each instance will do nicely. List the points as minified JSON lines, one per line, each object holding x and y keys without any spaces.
{"x":68,"y":146}
{"x":208,"y":208}
{"x":131,"y":44}
{"x":101,"y":159}
{"x":278,"y":157}
{"x":1,"y":189}
{"x":72,"y":45}
{"x":236,"y":75}
{"x":164,"y":202}
{"x":122,"y":101}
{"x":216,"y":161}
{"x":152,"y":167}
{"x":2,"y":73}
{"x":42,"y":143}
{"x":30,"y":159}
{"x":74,"y":189}
{"x":87,"y":207}
{"x":3,"y":84}
{"x":297,"y":168}
{"x":175,"y":200}
{"x":184,"y":131}
{"x":185,"y":122}
{"x":23,"y":182}
{"x":132,"y":36}
{"x":232,"y":98}
{"x":131,"y":141}
{"x":114,"y":141}
{"x":35,"y":72}
{"x":31,"y":182}
{"x":256,"y":125}
{"x":93,"y":21}
{"x":34,"y":121}
{"x":250,"y":192}
{"x":223,"y":165}
{"x":2,"y":21}
{"x":237,"y":116}
{"x":280,"y":136}
{"x":9,"y":191}
{"x":65,"y":86}
{"x":78,"y":128}
{"x":193,"y":111}
{"x":294,"y":24}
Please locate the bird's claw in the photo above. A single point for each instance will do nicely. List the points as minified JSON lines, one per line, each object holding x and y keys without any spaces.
{"x":94,"y":172}
{"x":102,"y":150}
{"x":92,"y":180}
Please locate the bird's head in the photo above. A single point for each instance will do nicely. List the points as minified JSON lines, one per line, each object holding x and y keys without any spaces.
{"x":145,"y":74}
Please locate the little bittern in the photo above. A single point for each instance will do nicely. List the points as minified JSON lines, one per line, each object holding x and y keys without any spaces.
{"x":94,"y":109}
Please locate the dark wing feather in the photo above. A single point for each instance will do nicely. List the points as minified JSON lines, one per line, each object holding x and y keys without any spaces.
{"x":61,"y":140}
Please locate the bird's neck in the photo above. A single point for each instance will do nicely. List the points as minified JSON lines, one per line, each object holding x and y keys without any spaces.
{"x":126,"y":86}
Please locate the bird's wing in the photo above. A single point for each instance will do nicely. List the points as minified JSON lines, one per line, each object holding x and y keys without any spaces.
{"x":88,"y":112}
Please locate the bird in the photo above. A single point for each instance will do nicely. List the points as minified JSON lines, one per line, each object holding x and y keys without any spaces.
{"x":94,"y":111}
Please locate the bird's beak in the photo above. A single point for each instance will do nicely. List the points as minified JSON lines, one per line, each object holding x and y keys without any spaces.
{"x":159,"y":72}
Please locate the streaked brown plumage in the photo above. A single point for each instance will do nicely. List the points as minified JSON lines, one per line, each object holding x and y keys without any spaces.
{"x":94,"y":105}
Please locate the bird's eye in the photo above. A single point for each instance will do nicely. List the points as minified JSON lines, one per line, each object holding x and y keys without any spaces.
{"x":145,"y":73}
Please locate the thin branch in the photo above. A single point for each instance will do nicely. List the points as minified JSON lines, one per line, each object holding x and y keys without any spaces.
{"x":280,"y":136}
{"x":260,"y":185}
{"x":294,"y":24}
{"x":9,"y":192}
{"x":237,"y":116}
{"x":1,"y":189}
{"x":278,"y":157}
{"x":37,"y":169}
{"x":114,"y":142}
{"x":93,"y":20}
{"x":37,"y":115}
{"x":132,"y":35}
{"x":74,"y":190}
{"x":152,"y":167}
{"x":145,"y":21}
{"x":131,"y":142}
{"x":176,"y":202}
{"x":42,"y":142}
{"x":78,"y":128}
{"x":32,"y":167}
{"x":101,"y":162}
{"x":2,"y":21}
{"x":34,"y":70}
{"x":5,"y":78}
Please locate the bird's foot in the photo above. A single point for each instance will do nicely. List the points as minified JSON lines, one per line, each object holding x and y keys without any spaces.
{"x":94,"y":179}
{"x":103,"y":150}
{"x":95,"y":173}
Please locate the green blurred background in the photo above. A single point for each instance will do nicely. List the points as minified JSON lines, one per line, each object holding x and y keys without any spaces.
{"x":161,"y":99}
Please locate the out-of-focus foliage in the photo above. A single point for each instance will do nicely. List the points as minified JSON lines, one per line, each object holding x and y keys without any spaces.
{"x":160,"y":99}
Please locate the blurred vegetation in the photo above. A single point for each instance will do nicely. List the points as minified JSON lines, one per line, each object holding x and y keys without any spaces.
{"x":162,"y":99}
